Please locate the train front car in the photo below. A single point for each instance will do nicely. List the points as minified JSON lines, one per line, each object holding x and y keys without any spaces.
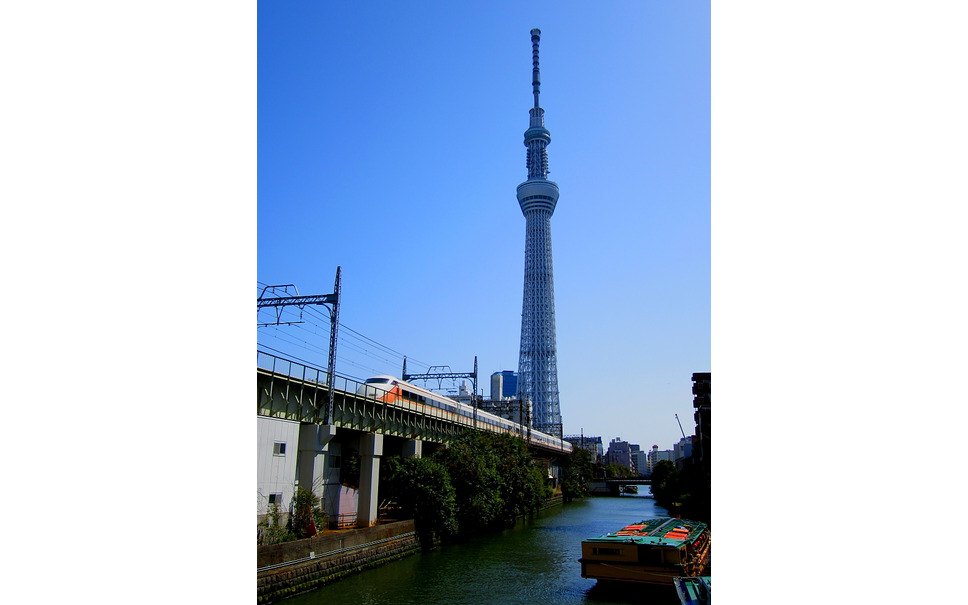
{"x":403,"y":394}
{"x":377,"y":387}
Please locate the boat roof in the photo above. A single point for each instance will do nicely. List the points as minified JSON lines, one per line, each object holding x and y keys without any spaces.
{"x":663,"y":531}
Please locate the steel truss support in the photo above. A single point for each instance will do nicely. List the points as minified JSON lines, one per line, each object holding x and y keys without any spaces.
{"x":442,"y":375}
{"x":330,"y":302}
{"x":438,"y":376}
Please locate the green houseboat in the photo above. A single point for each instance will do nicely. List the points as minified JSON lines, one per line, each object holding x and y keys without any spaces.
{"x":654,"y":551}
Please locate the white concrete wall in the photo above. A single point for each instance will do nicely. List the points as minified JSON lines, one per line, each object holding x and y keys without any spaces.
{"x":332,"y":494}
{"x":276,"y":474}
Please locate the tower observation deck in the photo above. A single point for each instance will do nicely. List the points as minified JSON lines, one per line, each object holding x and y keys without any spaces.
{"x":538,"y":360}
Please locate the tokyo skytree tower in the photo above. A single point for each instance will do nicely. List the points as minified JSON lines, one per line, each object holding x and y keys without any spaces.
{"x":538,"y":362}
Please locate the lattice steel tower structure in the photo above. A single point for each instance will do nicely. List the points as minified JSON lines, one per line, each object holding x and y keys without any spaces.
{"x":538,"y":361}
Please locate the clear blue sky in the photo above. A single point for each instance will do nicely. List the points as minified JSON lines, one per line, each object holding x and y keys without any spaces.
{"x":390,"y":143}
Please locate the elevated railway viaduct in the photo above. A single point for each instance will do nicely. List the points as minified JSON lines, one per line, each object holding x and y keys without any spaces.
{"x":294,"y":409}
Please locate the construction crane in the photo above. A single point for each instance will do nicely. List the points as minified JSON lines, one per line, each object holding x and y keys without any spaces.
{"x":680,"y":427}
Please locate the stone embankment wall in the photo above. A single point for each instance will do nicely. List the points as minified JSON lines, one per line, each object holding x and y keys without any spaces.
{"x":395,"y":541}
{"x":556,"y":500}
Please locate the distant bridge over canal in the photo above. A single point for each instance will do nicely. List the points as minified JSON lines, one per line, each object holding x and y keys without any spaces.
{"x":613,"y":487}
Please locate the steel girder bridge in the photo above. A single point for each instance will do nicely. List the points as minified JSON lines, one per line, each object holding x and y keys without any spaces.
{"x":293,"y":391}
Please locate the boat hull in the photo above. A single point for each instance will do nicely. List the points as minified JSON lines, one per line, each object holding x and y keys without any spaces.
{"x":653,"y":552}
{"x":634,"y":572}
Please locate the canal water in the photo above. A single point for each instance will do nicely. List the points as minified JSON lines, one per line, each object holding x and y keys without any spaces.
{"x":534,"y":563}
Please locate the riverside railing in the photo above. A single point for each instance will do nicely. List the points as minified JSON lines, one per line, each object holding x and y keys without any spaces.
{"x":306,"y":373}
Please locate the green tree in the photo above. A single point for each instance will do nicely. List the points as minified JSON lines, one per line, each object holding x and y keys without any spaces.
{"x":307,"y":518}
{"x":523,"y":489}
{"x":480,"y":482}
{"x":665,"y":483}
{"x":472,"y":466}
{"x":575,"y":473}
{"x":424,"y":492}
{"x":271,"y":530}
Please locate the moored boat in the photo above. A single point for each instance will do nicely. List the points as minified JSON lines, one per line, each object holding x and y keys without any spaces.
{"x":694,"y":591}
{"x":654,"y":551}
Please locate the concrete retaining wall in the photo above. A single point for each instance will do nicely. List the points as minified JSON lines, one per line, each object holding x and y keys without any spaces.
{"x":276,"y":584}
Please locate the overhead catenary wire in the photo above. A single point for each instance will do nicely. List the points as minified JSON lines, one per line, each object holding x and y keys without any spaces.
{"x":297,"y":327}
{"x":358,"y":336}
{"x":312,"y":311}
{"x":340,"y":370}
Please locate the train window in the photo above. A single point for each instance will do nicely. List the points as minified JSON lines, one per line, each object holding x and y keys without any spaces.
{"x":377,"y":381}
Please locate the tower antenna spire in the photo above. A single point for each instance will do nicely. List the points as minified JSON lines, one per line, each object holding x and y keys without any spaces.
{"x":535,"y":72}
